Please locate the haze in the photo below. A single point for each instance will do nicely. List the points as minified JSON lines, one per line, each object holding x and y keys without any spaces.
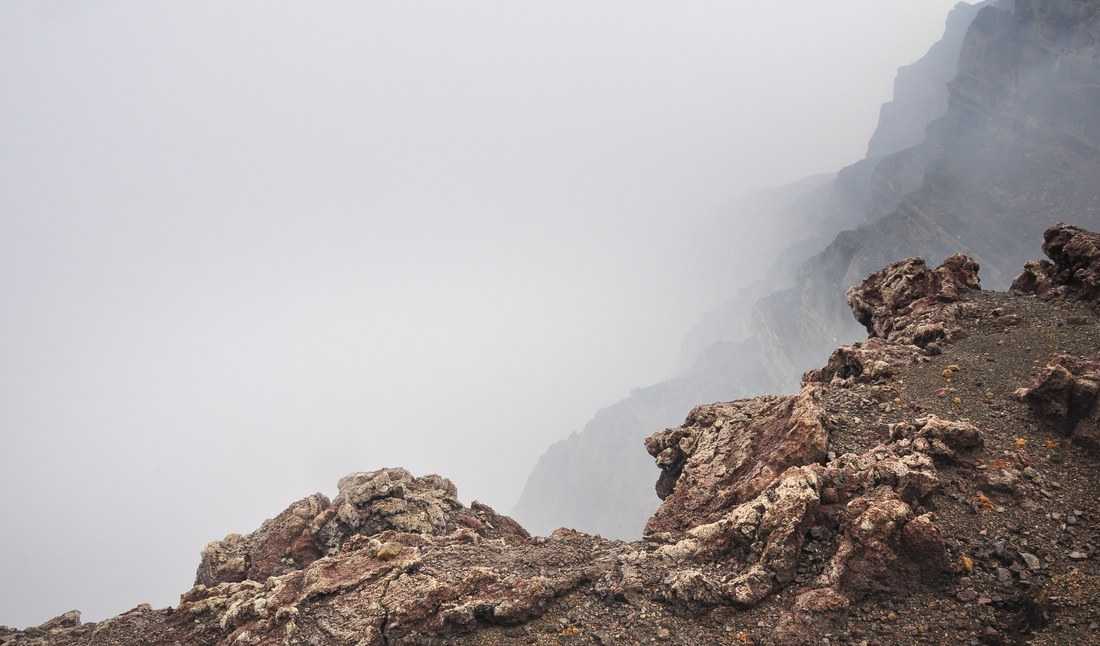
{"x":247,"y":248}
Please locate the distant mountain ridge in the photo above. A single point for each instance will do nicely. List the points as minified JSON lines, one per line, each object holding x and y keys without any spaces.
{"x":988,"y":135}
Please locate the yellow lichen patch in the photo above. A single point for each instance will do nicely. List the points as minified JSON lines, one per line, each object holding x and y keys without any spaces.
{"x":1020,"y":442}
{"x":743,"y":637}
{"x":957,"y":400}
{"x":953,"y":368}
{"x":388,"y":551}
{"x":897,"y":400}
{"x":571,"y":630}
{"x":1051,"y":444}
{"x":985,"y":505}
{"x":966,"y":563}
{"x":947,"y":374}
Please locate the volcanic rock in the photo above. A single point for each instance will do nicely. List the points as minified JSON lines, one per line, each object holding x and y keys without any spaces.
{"x":725,"y":454}
{"x":1075,"y":272}
{"x":843,"y":510}
{"x":911,"y":304}
{"x":1064,"y":397}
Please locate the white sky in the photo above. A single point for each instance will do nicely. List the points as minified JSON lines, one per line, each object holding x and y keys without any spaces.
{"x":247,"y":248}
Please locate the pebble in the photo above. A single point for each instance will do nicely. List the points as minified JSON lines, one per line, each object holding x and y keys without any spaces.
{"x":663,"y":634}
{"x":1031,"y":560}
{"x":1078,"y":555}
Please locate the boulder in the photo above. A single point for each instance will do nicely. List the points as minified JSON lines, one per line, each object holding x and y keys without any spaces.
{"x":1075,"y":272}
{"x":909,"y":303}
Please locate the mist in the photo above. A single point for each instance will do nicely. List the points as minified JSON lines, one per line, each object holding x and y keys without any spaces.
{"x":248,"y":248}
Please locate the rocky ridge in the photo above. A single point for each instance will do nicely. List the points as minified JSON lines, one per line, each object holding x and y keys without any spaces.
{"x":969,"y":157}
{"x":933,"y":484}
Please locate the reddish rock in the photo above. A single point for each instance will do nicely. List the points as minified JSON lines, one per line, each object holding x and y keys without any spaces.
{"x":1064,"y":398}
{"x":1075,"y":272}
{"x":865,"y":362}
{"x":726,"y":454}
{"x":945,"y":440}
{"x":909,"y":303}
{"x":368,"y":504}
{"x":752,"y":515}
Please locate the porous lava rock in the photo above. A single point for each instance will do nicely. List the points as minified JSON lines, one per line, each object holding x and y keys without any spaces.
{"x":1063,"y":396}
{"x":280,"y":545}
{"x":1075,"y":272}
{"x":783,"y":519}
{"x":910,"y":303}
{"x":368,"y":504}
{"x":726,"y":453}
{"x":864,"y":361}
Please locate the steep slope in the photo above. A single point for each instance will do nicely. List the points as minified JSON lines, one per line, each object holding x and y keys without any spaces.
{"x":1020,"y":140}
{"x":905,"y":495}
{"x":740,"y":350}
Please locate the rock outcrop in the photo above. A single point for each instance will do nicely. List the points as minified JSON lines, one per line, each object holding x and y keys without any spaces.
{"x":907,"y":302}
{"x":1063,"y":396}
{"x":1072,"y":274}
{"x":726,"y":454}
{"x":368,"y":504}
{"x":989,"y":135}
{"x":722,"y":356}
{"x":892,"y":499}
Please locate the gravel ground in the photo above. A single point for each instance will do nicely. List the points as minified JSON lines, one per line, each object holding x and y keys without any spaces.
{"x":1021,"y":517}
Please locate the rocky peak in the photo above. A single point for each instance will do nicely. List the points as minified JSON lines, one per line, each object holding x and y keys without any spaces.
{"x":905,"y":301}
{"x":368,"y":504}
{"x":1072,"y":274}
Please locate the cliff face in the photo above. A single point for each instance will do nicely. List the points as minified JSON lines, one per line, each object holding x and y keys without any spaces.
{"x":1017,"y":143}
{"x":761,"y":340}
{"x":920,"y":90}
{"x":927,"y":485}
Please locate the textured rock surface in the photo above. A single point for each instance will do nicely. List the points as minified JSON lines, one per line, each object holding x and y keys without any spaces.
{"x":1015,"y":147}
{"x":843,"y":511}
{"x":1075,"y":272}
{"x":911,"y":304}
{"x":726,"y":454}
{"x":368,"y":504}
{"x":1064,"y":397}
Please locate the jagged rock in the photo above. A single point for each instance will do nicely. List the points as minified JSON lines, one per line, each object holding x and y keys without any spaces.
{"x":755,"y":546}
{"x":1016,"y":146}
{"x":947,"y":441}
{"x":1075,"y":272}
{"x":883,"y":546}
{"x":1064,"y":398}
{"x":758,"y":516}
{"x":368,"y":504}
{"x":911,"y":304}
{"x":280,"y":545}
{"x":864,"y":361}
{"x":725,"y":454}
{"x":435,"y":586}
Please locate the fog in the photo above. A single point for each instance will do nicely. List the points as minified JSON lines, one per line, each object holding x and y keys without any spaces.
{"x":247,"y":248}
